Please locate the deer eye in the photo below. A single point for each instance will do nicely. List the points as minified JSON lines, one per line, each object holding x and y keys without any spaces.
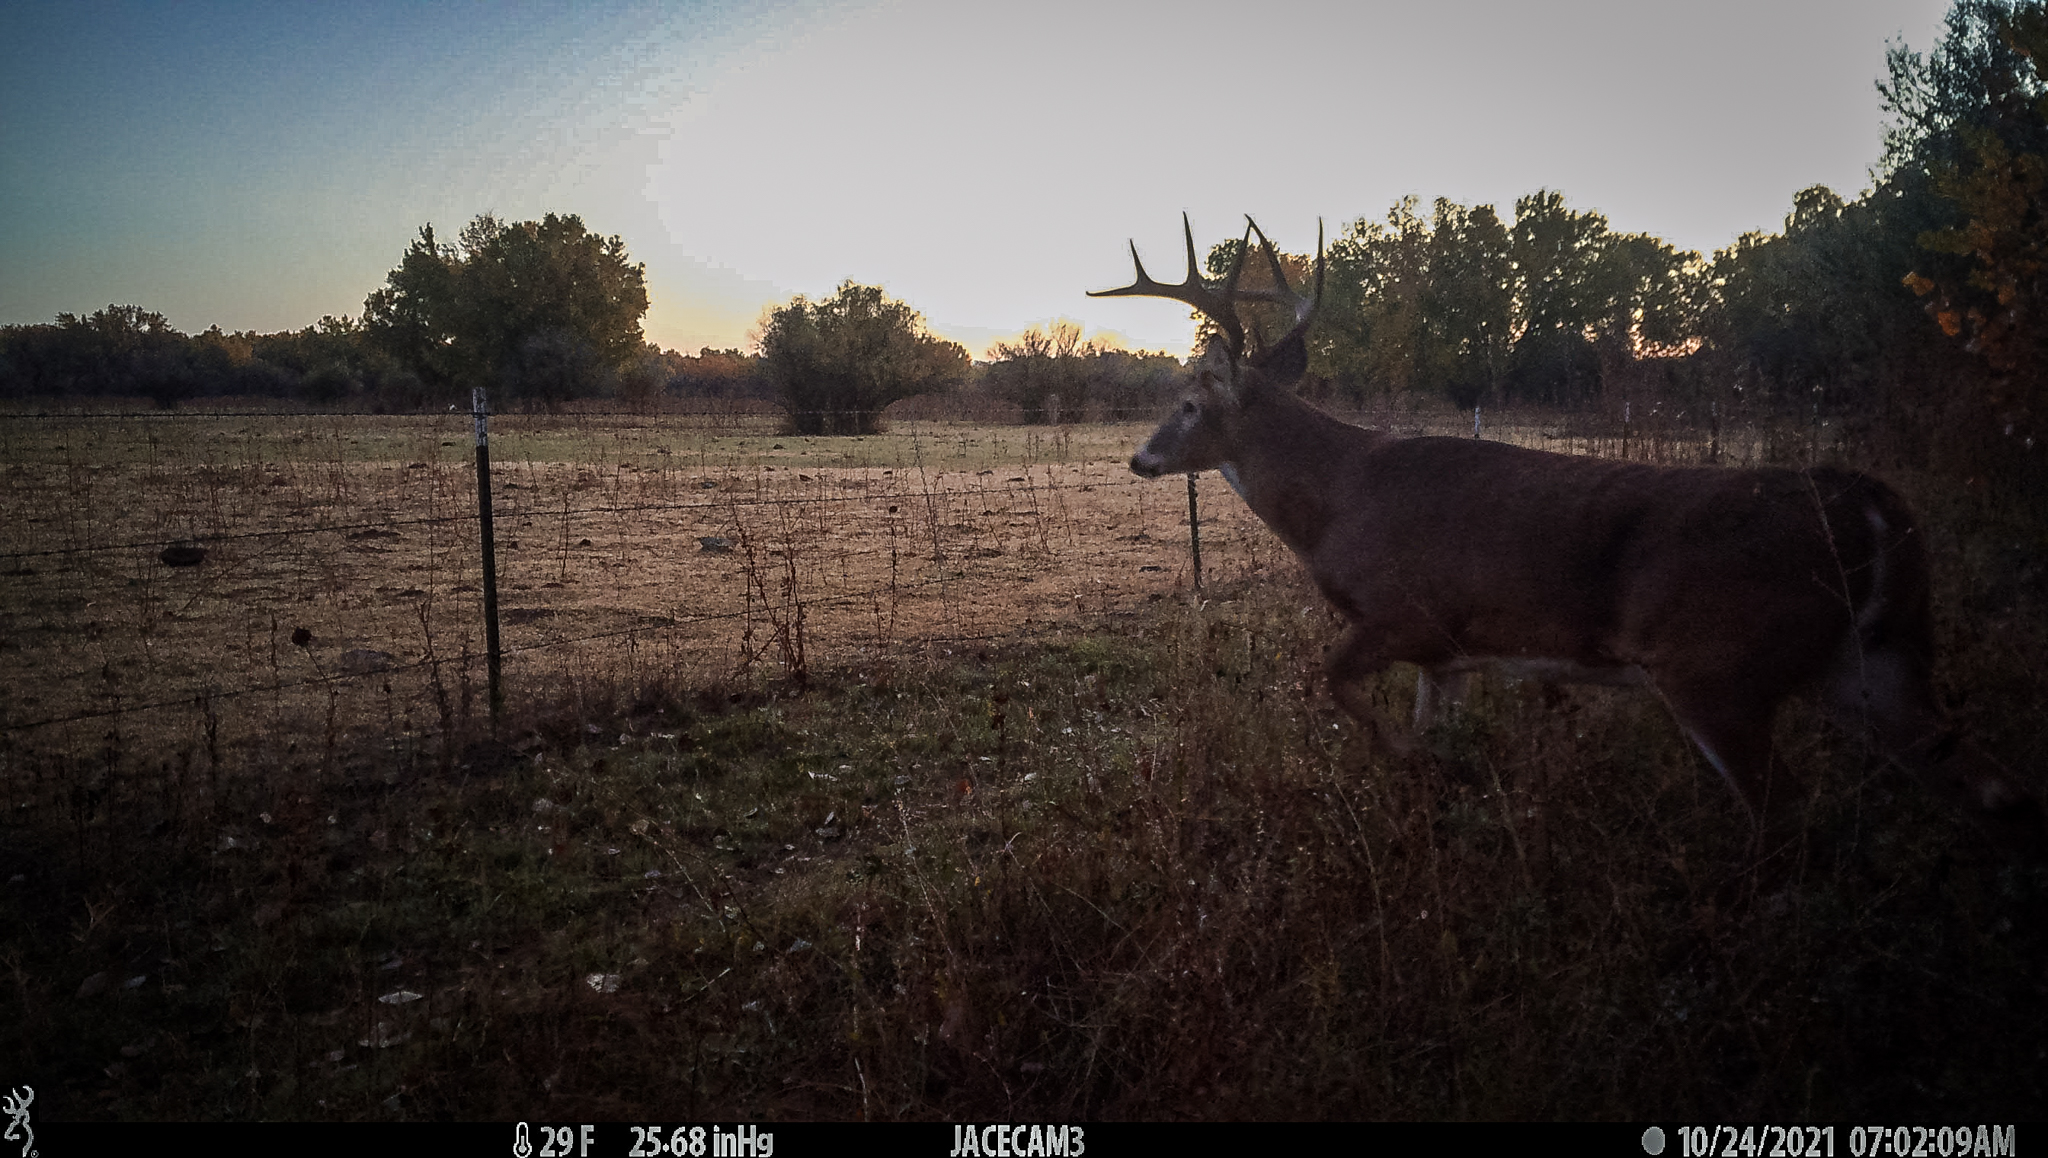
{"x":1188,"y":406}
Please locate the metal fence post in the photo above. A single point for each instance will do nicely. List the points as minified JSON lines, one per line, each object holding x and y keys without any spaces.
{"x":1195,"y":532}
{"x":481,"y":410}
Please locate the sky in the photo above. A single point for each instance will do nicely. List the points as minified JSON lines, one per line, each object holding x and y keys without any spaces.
{"x":257,"y":166}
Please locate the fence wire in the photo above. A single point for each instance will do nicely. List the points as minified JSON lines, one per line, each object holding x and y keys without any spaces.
{"x":787,"y":559}
{"x":902,"y":554}
{"x":506,"y":510}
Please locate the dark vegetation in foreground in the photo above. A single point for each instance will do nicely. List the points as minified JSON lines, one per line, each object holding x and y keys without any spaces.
{"x":1139,"y":872}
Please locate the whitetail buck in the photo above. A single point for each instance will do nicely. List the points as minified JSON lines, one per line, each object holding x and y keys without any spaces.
{"x":1725,"y":591}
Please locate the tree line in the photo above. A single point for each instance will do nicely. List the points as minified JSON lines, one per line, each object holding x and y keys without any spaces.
{"x":1925,"y":291}
{"x":1922,"y":295}
{"x":542,"y":311}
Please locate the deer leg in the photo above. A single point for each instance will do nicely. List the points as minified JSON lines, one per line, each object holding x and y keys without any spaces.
{"x":1355,"y":658}
{"x":1733,"y":731}
{"x":1435,"y":692}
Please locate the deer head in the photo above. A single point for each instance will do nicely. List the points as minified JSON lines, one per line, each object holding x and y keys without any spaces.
{"x":1200,"y":432}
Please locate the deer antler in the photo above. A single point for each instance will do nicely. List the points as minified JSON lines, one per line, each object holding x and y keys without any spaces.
{"x":1220,"y":306}
{"x":1304,"y":307}
{"x":1213,"y":304}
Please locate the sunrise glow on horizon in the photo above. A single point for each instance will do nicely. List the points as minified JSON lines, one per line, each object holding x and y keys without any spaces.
{"x":257,"y":167}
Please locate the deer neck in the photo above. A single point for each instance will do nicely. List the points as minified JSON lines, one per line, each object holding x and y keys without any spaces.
{"x":1286,"y":456}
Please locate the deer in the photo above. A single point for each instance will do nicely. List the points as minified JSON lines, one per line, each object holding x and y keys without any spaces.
{"x":1724,"y":591}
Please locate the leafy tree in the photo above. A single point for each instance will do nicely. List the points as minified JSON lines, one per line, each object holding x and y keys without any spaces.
{"x":1588,"y":301}
{"x":1461,"y":304}
{"x":117,"y":351}
{"x":542,"y":310}
{"x":1124,"y":384}
{"x":1046,"y":372}
{"x":331,"y":360}
{"x":1782,"y":317}
{"x":1371,"y":330}
{"x":1566,"y":302}
{"x":1467,"y":307}
{"x":646,"y":376}
{"x":1974,"y":121}
{"x":414,"y":317}
{"x":838,"y":362}
{"x":1418,"y":303}
{"x":1979,"y":75}
{"x":722,"y":374}
{"x":1365,"y":335}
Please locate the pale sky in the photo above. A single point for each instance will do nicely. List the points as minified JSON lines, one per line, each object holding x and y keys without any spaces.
{"x":259,"y":165}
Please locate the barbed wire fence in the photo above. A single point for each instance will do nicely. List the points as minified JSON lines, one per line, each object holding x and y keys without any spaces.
{"x":336,"y":626}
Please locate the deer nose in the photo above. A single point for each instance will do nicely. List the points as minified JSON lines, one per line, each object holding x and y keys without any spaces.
{"x":1146,"y":465}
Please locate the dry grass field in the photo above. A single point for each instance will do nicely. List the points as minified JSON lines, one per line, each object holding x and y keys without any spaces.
{"x":926,"y":788}
{"x":362,"y":532}
{"x":623,"y":544}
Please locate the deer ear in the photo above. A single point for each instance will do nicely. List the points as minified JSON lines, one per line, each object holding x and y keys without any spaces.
{"x":1283,"y":364}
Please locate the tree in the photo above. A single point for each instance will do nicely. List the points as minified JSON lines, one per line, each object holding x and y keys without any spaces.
{"x":1046,"y":372}
{"x":1369,"y":335}
{"x":838,"y":362}
{"x":1801,"y":314}
{"x":1589,"y":300}
{"x":1974,"y":122}
{"x":1125,"y":384}
{"x":1458,"y":303}
{"x":330,"y":360}
{"x":119,"y":350}
{"x":1467,"y":307}
{"x":541,"y":310}
{"x":1561,"y":302}
{"x":720,"y":374}
{"x":1978,"y":75}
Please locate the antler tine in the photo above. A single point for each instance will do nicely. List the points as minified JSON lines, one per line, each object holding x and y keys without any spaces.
{"x":1319,"y":261}
{"x":1272,"y":256}
{"x":1244,"y":246}
{"x":1187,"y":233}
{"x":1142,"y":285}
{"x":1191,"y":292}
{"x":1303,"y":307}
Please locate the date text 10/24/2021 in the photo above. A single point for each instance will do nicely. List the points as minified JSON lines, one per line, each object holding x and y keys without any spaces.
{"x":1864,"y":1142}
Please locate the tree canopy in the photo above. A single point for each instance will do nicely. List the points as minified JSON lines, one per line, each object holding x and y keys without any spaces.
{"x":1972,"y":125}
{"x":1466,"y":305}
{"x":128,"y":351}
{"x":1045,"y":371}
{"x":540,"y":310}
{"x":836,"y":363}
